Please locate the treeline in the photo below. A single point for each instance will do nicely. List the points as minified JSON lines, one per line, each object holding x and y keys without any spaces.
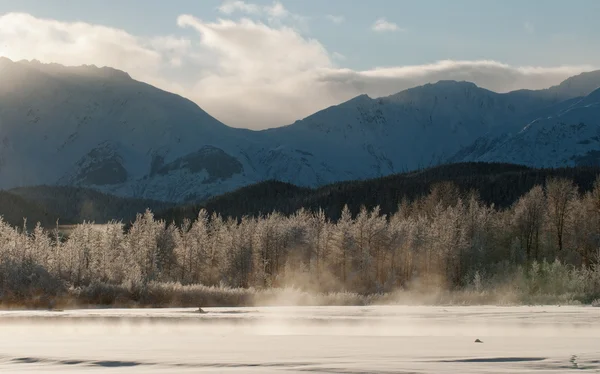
{"x":73,"y":205}
{"x":13,"y":208}
{"x":447,"y":239}
{"x":498,"y":184}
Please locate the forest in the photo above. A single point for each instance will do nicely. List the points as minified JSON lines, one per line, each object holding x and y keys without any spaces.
{"x":496,"y":183}
{"x":544,"y":246}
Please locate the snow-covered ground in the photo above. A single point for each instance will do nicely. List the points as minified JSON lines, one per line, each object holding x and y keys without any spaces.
{"x":378,"y":339}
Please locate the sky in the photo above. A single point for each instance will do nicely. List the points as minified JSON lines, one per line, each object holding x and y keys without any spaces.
{"x":266,"y":63}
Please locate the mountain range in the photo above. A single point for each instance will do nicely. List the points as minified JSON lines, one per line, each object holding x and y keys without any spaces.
{"x":98,"y":128}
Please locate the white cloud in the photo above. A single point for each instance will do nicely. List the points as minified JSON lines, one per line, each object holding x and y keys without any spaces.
{"x":247,"y":73}
{"x":23,"y":36}
{"x":259,"y":68}
{"x":488,"y":74}
{"x":171,"y":48}
{"x":274,"y":11}
{"x":381,"y":25}
{"x":229,"y":7}
{"x":277,"y":10}
{"x":336,"y":19}
{"x":275,"y":14}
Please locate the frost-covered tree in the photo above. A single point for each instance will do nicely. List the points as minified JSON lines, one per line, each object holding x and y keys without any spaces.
{"x":585,"y":227}
{"x":197,"y":260}
{"x":560,"y":196}
{"x":143,"y":248}
{"x":447,"y":236}
{"x":343,"y":247}
{"x":113,"y":263}
{"x":239,"y":253}
{"x":320,"y":235}
{"x":213,"y":254}
{"x":400,"y":259}
{"x":528,"y":217}
{"x":444,"y":239}
{"x":480,"y":229}
{"x":183,"y":250}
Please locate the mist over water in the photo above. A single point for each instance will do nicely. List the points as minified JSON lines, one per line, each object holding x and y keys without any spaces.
{"x":374,"y":339}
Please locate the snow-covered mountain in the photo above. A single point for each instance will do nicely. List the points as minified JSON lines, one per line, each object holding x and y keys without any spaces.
{"x":99,"y":128}
{"x":419,"y":127}
{"x":563,"y":137}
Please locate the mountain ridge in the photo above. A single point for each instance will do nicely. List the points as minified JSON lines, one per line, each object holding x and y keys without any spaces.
{"x":120,"y":136}
{"x":567,"y":137}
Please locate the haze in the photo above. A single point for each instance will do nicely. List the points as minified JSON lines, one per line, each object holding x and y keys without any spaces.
{"x":376,"y":339}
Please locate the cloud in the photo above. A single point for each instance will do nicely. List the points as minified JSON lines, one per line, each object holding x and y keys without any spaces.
{"x":247,"y":73}
{"x":277,"y":10}
{"x":229,"y":7}
{"x":26,"y":37}
{"x":275,"y":14}
{"x":338,"y":56}
{"x":260,"y":68}
{"x":274,"y":11}
{"x":171,"y":48}
{"x":381,"y":25}
{"x":488,"y":74}
{"x":336,"y":19}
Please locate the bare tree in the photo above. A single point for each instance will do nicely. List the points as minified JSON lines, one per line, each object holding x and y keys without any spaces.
{"x":560,"y":194}
{"x":527,"y":219}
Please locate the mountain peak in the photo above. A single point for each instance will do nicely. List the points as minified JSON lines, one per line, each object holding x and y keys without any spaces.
{"x":359,"y":99}
{"x":452,"y":83}
{"x":579,"y":85}
{"x":442,"y":88}
{"x":81,"y":70}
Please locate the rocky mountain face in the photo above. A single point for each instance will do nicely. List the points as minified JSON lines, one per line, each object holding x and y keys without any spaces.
{"x":98,"y":128}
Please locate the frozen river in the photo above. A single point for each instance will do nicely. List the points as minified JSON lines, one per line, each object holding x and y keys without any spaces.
{"x":378,"y":339}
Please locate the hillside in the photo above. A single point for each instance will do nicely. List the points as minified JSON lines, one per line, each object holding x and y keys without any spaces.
{"x":414,"y":129}
{"x":13,"y":209}
{"x":98,"y":128}
{"x":75,"y":205}
{"x":566,"y":137}
{"x":500,"y":184}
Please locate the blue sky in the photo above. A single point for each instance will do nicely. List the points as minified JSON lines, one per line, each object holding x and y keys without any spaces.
{"x":521,"y":32}
{"x":165,"y":43}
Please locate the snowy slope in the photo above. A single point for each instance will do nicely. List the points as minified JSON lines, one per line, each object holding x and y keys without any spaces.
{"x":419,"y":127}
{"x":567,"y":137}
{"x":98,"y":128}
